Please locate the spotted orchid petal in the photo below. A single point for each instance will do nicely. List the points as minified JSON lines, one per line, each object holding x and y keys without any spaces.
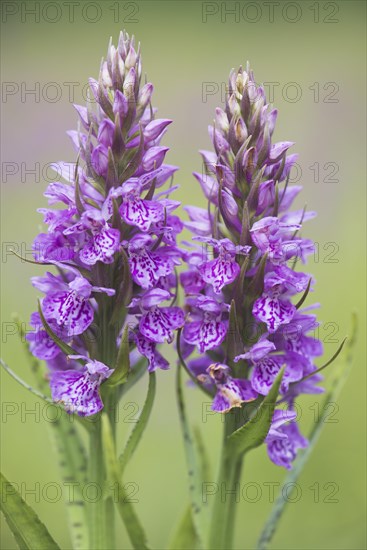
{"x":206,"y":334}
{"x":283,"y":450}
{"x":158,"y":324}
{"x":273,"y":311}
{"x":79,"y":391}
{"x":139,"y":212}
{"x":101,"y":247}
{"x":146,"y":266}
{"x":265,"y":373}
{"x":71,"y":312}
{"x":40,"y":343}
{"x":148,"y":349}
{"x":219,"y":272}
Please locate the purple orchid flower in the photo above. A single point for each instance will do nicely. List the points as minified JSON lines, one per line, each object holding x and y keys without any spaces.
{"x":206,"y":330}
{"x":269,"y":235}
{"x":267,"y":366}
{"x":231,"y":392}
{"x":78,"y":391}
{"x":139,"y":212}
{"x":283,"y":446}
{"x":40,"y":343}
{"x":271,"y":309}
{"x":224,"y":269}
{"x":53,"y":246}
{"x":102,"y":241}
{"x":200,"y":221}
{"x":149,"y":350}
{"x":147,"y":265}
{"x":70,"y":308}
{"x":157,"y":324}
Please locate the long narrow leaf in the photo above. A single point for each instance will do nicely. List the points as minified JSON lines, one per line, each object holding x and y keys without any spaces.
{"x":29,"y":532}
{"x":68,"y":350}
{"x":338,"y":351}
{"x":122,"y":366}
{"x":24,"y":384}
{"x":199,"y":509}
{"x":185,"y":535}
{"x":203,"y":455}
{"x":73,"y":469}
{"x":140,"y":425}
{"x":135,"y":374}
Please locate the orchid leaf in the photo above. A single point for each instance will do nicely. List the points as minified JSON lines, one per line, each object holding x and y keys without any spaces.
{"x":68,"y":350}
{"x":333,"y":358}
{"x":203,"y":455}
{"x":136,"y":372}
{"x":28,"y":530}
{"x":134,"y":162}
{"x":72,"y":463}
{"x":305,"y":294}
{"x":78,"y":199}
{"x":24,"y":384}
{"x":199,"y":509}
{"x":122,"y":367}
{"x":276,"y":200}
{"x":140,"y":425}
{"x":185,"y":535}
{"x":253,"y":433}
{"x":257,"y":284}
{"x":245,"y":230}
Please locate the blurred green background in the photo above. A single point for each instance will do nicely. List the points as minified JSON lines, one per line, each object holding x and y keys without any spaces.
{"x":318,"y":63}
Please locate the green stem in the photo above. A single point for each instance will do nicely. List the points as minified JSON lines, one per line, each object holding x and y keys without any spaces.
{"x":109,"y":504}
{"x":102,"y":518}
{"x":223,"y":512}
{"x":97,"y":511}
{"x":110,"y":524}
{"x":232,"y":508}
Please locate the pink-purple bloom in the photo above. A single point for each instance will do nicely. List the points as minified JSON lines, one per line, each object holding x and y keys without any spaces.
{"x":207,"y":325}
{"x":78,"y":390}
{"x":157,"y":324}
{"x":253,"y":241}
{"x":230,"y":392}
{"x":111,"y":236}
